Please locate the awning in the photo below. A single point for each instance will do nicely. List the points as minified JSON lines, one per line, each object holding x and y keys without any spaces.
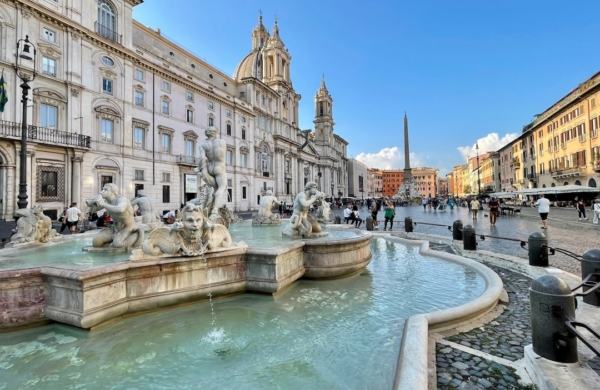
{"x":503,"y":195}
{"x":568,"y":189}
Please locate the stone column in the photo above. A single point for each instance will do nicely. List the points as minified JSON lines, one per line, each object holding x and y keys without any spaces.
{"x":76,"y":179}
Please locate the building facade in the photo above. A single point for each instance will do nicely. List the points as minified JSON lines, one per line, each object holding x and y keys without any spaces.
{"x":115,"y":101}
{"x":375,"y":182}
{"x":357,"y":179}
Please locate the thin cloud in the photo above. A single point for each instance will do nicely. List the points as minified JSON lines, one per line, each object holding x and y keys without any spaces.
{"x":490,"y":143}
{"x":388,"y":158}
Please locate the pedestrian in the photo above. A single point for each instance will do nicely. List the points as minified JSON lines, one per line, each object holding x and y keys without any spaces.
{"x":63,"y":220}
{"x":347,"y":214}
{"x":596,"y":211}
{"x":374,"y":212}
{"x":451,"y":203}
{"x":494,"y":207}
{"x":424,"y":203}
{"x":73,"y":214}
{"x":357,"y":219}
{"x":543,"y":206}
{"x":475,"y":207}
{"x":389,"y":215}
{"x":581,"y":209}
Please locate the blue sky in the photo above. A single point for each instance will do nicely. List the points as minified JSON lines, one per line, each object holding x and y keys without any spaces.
{"x":462,"y":70}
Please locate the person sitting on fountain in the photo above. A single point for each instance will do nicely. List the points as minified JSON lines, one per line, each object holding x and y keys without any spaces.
{"x":124,"y":233}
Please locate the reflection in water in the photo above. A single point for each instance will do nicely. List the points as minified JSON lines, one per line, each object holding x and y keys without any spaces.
{"x":342,"y":333}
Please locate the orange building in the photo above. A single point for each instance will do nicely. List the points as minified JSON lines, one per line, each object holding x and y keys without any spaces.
{"x":392,"y":180}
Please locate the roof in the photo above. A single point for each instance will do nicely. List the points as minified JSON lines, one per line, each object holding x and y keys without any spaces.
{"x":248,"y":67}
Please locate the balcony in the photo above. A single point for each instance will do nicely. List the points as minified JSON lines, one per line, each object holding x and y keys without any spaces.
{"x":531,"y":176}
{"x":597,"y":165}
{"x":107,"y":33}
{"x":192,"y":161}
{"x":44,"y":135}
{"x":568,"y":173}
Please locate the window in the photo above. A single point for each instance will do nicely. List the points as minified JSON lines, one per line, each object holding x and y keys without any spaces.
{"x":138,"y":187}
{"x":243,"y":192}
{"x":244,"y":160}
{"x":107,"y":86}
{"x":228,"y":113}
{"x":166,"y":192}
{"x":105,"y":179}
{"x":165,"y":142}
{"x":138,"y":97}
{"x":211,"y":106}
{"x":211,"y":120}
{"x":229,"y":157}
{"x":139,"y":74}
{"x":189,"y":96}
{"x":165,"y":86}
{"x":165,"y":107}
{"x":228,"y":128}
{"x":48,"y":116}
{"x":166,"y":177}
{"x":139,"y":137}
{"x":48,"y":35}
{"x":106,"y":130}
{"x":190,"y":148}
{"x":49,"y":66}
{"x":243,"y":133}
{"x":107,"y":20}
{"x":49,"y":184}
{"x":189,"y":116}
{"x":107,"y":61}
{"x":139,"y":175}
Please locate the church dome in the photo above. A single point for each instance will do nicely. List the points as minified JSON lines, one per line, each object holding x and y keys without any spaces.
{"x":249,"y":66}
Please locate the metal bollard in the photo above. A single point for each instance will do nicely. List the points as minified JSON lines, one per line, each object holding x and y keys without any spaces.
{"x":408,"y":225}
{"x":590,"y":264}
{"x":369,"y":223}
{"x":457,"y":228}
{"x":337,"y":220}
{"x":469,"y":238}
{"x":538,"y":249}
{"x":552,"y":305}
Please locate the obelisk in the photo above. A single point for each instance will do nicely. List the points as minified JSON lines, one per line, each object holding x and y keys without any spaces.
{"x":407,"y":170}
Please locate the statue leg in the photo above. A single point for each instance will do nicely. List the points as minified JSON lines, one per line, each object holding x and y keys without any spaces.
{"x":219,"y":197}
{"x":103,"y":238}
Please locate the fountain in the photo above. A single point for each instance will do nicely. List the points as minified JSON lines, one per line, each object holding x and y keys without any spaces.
{"x":265,"y":214}
{"x":143,"y":265}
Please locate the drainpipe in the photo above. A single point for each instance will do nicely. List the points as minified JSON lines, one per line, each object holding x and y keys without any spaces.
{"x":153,"y":130}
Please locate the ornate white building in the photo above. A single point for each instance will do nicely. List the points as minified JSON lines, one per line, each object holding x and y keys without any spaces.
{"x":115,"y":101}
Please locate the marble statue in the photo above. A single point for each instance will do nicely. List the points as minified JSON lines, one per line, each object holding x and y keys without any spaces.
{"x":324,"y":212}
{"x":192,"y":236}
{"x":32,"y":226}
{"x":124,"y":233}
{"x":265,"y":214}
{"x":302,"y":223}
{"x":144,"y":205}
{"x":213,"y":172}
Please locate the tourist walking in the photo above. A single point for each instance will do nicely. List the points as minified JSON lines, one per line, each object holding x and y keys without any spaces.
{"x":475,"y":207}
{"x":596,"y":209}
{"x":543,"y":206}
{"x":581,"y":209}
{"x":389,"y":215}
{"x":494,"y":207}
{"x":73,"y":215}
{"x":424,"y":203}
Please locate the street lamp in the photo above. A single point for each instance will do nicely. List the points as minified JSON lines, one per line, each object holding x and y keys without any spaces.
{"x":26,"y":74}
{"x":478,"y":180}
{"x":332,"y":195}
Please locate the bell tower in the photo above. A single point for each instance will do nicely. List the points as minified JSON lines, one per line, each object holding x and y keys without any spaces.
{"x":323,"y":114}
{"x":260,"y":35}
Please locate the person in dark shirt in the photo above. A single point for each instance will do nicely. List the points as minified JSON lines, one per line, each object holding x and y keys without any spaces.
{"x":494,"y":207}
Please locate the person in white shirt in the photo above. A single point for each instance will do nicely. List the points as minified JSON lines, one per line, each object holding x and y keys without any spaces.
{"x":543,"y":206}
{"x":347,"y":214}
{"x":73,"y":214}
{"x":596,"y":209}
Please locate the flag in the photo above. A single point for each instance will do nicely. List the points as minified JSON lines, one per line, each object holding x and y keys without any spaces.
{"x":3,"y":97}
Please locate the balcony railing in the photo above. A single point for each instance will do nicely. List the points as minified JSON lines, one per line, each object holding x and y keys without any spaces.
{"x":182,"y":159}
{"x":45,"y":135}
{"x":568,"y":172}
{"x":107,"y":32}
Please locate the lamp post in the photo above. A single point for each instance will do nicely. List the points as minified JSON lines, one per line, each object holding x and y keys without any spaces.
{"x":26,"y":75}
{"x":332,"y":195}
{"x":478,"y":180}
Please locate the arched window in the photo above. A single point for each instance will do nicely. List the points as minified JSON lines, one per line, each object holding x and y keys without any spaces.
{"x":107,"y":20}
{"x":228,"y":128}
{"x":211,"y":120}
{"x":592,"y":183}
{"x":577,"y":183}
{"x":243,"y":133}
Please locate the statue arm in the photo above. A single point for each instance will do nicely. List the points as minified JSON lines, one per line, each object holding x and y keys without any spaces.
{"x":116,"y":208}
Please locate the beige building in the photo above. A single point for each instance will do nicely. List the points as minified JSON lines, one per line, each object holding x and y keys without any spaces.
{"x":357,"y":179}
{"x":115,"y":101}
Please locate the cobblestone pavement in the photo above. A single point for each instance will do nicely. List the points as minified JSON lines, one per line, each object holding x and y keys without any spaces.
{"x":510,"y":332}
{"x":505,"y":338}
{"x":461,"y":370}
{"x":577,"y":238}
